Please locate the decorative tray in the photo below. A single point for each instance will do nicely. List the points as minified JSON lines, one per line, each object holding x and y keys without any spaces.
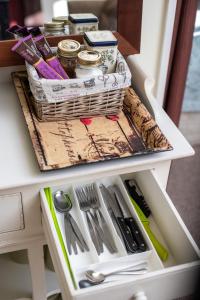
{"x":62,"y":144}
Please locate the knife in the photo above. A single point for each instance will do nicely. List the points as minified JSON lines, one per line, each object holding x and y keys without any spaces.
{"x":160,"y":249}
{"x":131,"y":223}
{"x":137,"y":195}
{"x":118,"y":219}
{"x":108,"y":201}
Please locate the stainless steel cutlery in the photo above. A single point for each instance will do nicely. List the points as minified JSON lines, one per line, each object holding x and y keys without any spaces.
{"x":124,"y":223}
{"x":73,"y":234}
{"x":97,"y":225}
{"x":98,"y":228}
{"x":94,"y":277}
{"x":138,"y":268}
{"x":119,"y":220}
{"x":96,"y":202}
{"x":129,"y":220}
{"x":85,"y":206}
{"x":102,"y":226}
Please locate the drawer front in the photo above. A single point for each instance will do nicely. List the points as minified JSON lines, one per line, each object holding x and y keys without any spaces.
{"x":165,"y":285}
{"x":11,"y":213}
{"x":176,"y":278}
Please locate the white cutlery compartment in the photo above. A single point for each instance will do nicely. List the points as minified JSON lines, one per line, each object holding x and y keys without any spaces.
{"x":104,"y":262}
{"x":178,"y":273}
{"x":83,"y":258}
{"x":106,"y":255}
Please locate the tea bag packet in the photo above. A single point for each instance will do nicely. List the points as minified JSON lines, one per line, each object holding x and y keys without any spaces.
{"x":48,"y":55}
{"x":27,"y":38}
{"x":32,"y":58}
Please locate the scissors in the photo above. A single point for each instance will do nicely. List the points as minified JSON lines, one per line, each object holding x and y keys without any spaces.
{"x":115,"y":83}
{"x":122,"y":70}
{"x":103,"y":78}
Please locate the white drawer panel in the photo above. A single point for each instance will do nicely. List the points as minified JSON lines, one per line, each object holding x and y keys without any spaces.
{"x":11,"y":213}
{"x":175,"y":278}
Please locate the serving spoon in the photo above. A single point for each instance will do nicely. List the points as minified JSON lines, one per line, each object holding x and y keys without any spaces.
{"x":138,"y":268}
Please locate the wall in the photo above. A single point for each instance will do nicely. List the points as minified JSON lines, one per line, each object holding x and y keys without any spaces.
{"x":54,"y":8}
{"x":157,"y":27}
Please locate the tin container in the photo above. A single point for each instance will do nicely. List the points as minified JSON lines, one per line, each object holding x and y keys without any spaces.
{"x":67,"y":53}
{"x":54,"y":28}
{"x":88,"y":64}
{"x":105,"y":43}
{"x":63,"y":19}
{"x":80,"y":23}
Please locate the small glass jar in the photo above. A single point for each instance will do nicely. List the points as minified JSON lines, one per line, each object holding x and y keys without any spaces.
{"x":65,"y":20}
{"x":54,"y":28}
{"x":88,"y":62}
{"x":67,"y":54}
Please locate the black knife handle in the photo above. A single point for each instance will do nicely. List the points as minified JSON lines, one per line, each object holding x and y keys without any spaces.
{"x":139,"y":199}
{"x":136,"y":233}
{"x":131,"y":245}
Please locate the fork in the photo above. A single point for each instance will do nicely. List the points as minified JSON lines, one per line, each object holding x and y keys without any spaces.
{"x":85,"y":206}
{"x":103,"y":232}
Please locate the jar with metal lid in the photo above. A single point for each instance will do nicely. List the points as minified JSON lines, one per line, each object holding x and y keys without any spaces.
{"x":106,"y":43}
{"x":88,"y":64}
{"x":67,"y":53}
{"x":65,"y":20}
{"x":54,"y":28}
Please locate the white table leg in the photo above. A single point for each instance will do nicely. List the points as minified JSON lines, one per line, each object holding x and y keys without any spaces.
{"x":37,"y":269}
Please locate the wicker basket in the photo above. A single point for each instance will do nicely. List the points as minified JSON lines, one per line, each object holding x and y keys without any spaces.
{"x":107,"y":103}
{"x":78,"y":98}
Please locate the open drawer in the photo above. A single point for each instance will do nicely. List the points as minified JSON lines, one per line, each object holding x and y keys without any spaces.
{"x":175,"y":277}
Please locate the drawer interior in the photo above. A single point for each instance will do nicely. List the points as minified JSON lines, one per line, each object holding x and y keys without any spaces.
{"x":164,"y":221}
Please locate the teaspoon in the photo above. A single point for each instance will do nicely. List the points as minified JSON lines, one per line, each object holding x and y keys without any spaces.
{"x":97,"y":277}
{"x":74,"y":236}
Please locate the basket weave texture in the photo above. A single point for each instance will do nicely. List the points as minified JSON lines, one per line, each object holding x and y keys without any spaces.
{"x":78,"y":98}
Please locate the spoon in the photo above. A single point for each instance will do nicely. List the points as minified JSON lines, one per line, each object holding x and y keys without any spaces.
{"x":84,"y":283}
{"x":97,"y":277}
{"x":74,"y":236}
{"x":62,"y":202}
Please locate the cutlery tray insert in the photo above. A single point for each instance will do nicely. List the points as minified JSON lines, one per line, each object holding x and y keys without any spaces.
{"x":106,"y":261}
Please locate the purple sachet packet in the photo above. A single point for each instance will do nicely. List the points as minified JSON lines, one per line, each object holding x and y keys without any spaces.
{"x":35,"y":31}
{"x":13,"y":29}
{"x":29,"y":41}
{"x":52,"y":60}
{"x":32,"y":58}
{"x":27,"y":38}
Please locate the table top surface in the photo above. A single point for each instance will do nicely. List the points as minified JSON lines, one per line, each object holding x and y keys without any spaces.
{"x":19,"y":165}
